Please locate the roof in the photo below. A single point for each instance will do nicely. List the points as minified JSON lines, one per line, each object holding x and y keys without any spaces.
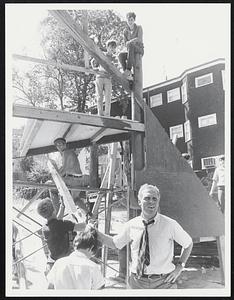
{"x":79,"y":129}
{"x":186,"y":72}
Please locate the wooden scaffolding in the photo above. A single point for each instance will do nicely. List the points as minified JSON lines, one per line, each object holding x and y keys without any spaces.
{"x":153,"y":158}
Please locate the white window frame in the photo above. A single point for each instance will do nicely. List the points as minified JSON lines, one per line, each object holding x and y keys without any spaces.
{"x":197,"y":85}
{"x":212,"y":120}
{"x":180,"y":134}
{"x":216,"y":159}
{"x":187,"y":131}
{"x":173,"y":95}
{"x":158,"y":100}
{"x":184,"y":91}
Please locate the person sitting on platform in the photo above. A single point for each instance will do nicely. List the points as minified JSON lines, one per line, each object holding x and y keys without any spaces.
{"x":71,"y":172}
{"x":103,"y":82}
{"x":78,"y":271}
{"x":133,"y":38}
{"x":151,"y":236}
{"x":57,"y":232}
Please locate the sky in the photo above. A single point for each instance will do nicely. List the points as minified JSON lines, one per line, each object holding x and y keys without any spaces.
{"x":176,"y":36}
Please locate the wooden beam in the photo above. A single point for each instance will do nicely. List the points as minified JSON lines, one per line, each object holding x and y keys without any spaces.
{"x":98,"y":135}
{"x":27,"y":139}
{"x":53,"y":186}
{"x":80,"y":144}
{"x":77,"y":33}
{"x":25,"y":111}
{"x":53,"y":63}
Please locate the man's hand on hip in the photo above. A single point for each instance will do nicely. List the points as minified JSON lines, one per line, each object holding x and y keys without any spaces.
{"x":171,"y":277}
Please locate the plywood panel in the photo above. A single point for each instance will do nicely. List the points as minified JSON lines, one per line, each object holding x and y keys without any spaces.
{"x":183,"y":197}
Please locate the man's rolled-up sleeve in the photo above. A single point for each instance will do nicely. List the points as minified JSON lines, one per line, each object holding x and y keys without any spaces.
{"x":180,"y":235}
{"x":123,"y":238}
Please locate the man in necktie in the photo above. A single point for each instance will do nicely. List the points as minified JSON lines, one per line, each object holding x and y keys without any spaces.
{"x":151,"y":236}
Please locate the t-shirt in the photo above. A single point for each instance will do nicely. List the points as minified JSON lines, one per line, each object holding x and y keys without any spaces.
{"x":70,"y":162}
{"x":56,"y":233}
{"x":113,"y":60}
{"x":219,"y":176}
{"x":76,"y":271}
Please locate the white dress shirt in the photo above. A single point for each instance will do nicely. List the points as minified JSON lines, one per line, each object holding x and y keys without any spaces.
{"x":76,"y":271}
{"x":162,"y":235}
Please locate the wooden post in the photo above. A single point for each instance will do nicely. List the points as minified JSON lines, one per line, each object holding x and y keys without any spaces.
{"x":85,"y":30}
{"x":221,"y":250}
{"x":137,"y":139}
{"x":93,"y":178}
{"x":113,"y":152}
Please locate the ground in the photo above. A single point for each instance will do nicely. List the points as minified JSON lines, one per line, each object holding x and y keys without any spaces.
{"x":195,"y":276}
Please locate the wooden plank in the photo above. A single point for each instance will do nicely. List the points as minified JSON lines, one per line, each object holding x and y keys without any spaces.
{"x":85,"y":30}
{"x":111,"y":179}
{"x":80,"y":144}
{"x":25,"y":111}
{"x":77,"y":33}
{"x":137,"y":140}
{"x":27,"y":140}
{"x":221,"y":251}
{"x":98,"y":135}
{"x":63,"y":190}
{"x":53,"y":186}
{"x":63,"y":66}
{"x":183,"y":196}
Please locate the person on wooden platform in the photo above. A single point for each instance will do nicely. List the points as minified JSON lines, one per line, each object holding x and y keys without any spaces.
{"x":103,"y":82}
{"x":151,"y":236}
{"x":71,"y":172}
{"x":57,"y":233}
{"x":78,"y":271}
{"x":133,"y":38}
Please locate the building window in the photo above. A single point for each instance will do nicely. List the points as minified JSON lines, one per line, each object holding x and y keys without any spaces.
{"x":184,"y":91}
{"x":223,"y":78}
{"x":156,"y":100}
{"x":173,"y":95}
{"x":203,"y":80}
{"x":210,"y":162}
{"x":176,"y":131}
{"x":187,"y":131}
{"x":207,"y":120}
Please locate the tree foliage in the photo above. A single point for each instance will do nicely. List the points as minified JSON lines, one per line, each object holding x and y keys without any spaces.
{"x":53,"y":87}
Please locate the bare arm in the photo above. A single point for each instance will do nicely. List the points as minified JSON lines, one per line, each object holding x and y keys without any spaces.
{"x":105,"y":239}
{"x":213,"y":187}
{"x":185,"y":253}
{"x":61,"y":210}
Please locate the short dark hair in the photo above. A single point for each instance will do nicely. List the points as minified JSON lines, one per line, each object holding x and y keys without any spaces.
{"x":131,"y":15}
{"x":86,"y":239}
{"x":186,"y":156}
{"x":59,"y":139}
{"x":111,"y":43}
{"x":45,"y":208}
{"x":222,"y":157}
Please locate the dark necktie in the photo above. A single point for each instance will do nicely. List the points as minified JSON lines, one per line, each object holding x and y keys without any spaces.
{"x":143,"y":253}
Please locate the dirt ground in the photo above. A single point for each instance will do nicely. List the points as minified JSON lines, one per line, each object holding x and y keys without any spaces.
{"x":198,"y":277}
